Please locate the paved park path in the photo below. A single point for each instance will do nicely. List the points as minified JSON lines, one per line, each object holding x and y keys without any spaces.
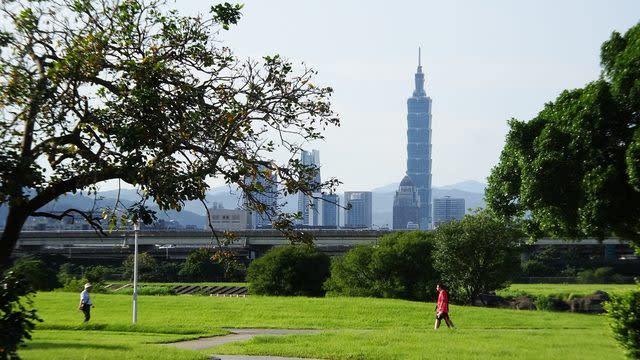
{"x":240,"y":335}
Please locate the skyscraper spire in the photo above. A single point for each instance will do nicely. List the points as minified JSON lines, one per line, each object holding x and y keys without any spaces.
{"x":419,"y":77}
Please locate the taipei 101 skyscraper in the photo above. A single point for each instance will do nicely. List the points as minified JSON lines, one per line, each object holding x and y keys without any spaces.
{"x":419,"y":145}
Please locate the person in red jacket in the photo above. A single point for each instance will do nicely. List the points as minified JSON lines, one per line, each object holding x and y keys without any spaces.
{"x":442,"y":308}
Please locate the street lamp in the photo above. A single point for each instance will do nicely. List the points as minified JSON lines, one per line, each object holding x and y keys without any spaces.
{"x":136,"y":229}
{"x":167,"y":247}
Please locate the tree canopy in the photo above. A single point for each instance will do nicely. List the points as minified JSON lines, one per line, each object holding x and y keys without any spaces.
{"x":574,"y":170}
{"x":92,"y":90}
{"x":477,"y":255}
{"x":398,"y":266}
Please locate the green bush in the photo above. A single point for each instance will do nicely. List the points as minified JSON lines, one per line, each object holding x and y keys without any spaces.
{"x":477,"y":255}
{"x":601,"y":275}
{"x":542,"y":302}
{"x":353,"y":274}
{"x":586,"y":276}
{"x":624,"y":313}
{"x":73,"y":285}
{"x":96,"y":275}
{"x":147,"y":267}
{"x":68,"y":271}
{"x":74,"y":277}
{"x":200,"y":267}
{"x":293,"y":270}
{"x":399,"y":266}
{"x":551,"y":303}
{"x":36,"y":272}
{"x":167,"y":271}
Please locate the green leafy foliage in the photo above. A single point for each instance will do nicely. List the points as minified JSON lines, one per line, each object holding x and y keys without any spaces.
{"x":601,"y":275}
{"x":38,"y":274}
{"x":200,"y":267}
{"x":573,"y":169}
{"x":352,"y":274}
{"x":226,"y":14}
{"x":295,"y":270}
{"x":479,"y":254}
{"x":68,"y":271}
{"x":398,"y":266}
{"x":73,"y":277}
{"x":17,"y":316}
{"x":96,"y":275}
{"x":73,"y":284}
{"x":624,"y":313}
{"x":131,"y":90}
{"x":147,"y":267}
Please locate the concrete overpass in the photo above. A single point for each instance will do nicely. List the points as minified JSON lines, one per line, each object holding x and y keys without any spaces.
{"x":250,"y":243}
{"x":246,"y":238}
{"x":190,"y":238}
{"x":177,"y":244}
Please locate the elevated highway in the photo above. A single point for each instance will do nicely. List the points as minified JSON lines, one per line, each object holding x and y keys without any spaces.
{"x":249,"y":243}
{"x":177,"y":244}
{"x":191,"y":238}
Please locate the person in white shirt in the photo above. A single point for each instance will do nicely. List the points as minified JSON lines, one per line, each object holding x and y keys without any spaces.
{"x":85,"y":302}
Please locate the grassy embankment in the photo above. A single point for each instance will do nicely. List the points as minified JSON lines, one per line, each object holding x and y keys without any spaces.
{"x":357,"y":328}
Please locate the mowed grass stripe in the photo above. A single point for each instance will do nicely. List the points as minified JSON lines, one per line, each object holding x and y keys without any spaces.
{"x":357,"y":328}
{"x":202,"y":314}
{"x":461,"y":344}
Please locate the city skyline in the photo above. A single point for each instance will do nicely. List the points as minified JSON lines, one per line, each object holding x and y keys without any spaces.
{"x":485,"y":63}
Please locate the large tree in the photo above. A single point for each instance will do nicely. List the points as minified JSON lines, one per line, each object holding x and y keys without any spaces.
{"x":398,"y":266}
{"x":477,"y":255}
{"x":574,"y":169}
{"x":93,"y":90}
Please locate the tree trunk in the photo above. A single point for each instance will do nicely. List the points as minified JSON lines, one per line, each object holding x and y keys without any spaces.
{"x":12,"y":228}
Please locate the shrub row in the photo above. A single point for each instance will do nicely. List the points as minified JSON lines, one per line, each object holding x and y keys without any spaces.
{"x":48,"y":273}
{"x":476,"y":255}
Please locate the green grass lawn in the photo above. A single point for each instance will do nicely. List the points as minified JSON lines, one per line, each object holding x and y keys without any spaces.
{"x":577,"y":289}
{"x":356,"y":328}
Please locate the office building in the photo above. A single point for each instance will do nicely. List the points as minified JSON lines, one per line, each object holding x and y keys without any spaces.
{"x":330,"y":210}
{"x":268,"y":198}
{"x":357,"y":214}
{"x":306,"y":204}
{"x":229,"y":219}
{"x":419,"y":145}
{"x":323,"y":211}
{"x":446,"y":209}
{"x":406,"y":206}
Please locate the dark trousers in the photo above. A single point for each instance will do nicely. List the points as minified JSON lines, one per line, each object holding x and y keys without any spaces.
{"x":86,"y":309}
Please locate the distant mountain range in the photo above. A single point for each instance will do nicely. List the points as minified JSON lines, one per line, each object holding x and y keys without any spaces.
{"x":194,"y":212}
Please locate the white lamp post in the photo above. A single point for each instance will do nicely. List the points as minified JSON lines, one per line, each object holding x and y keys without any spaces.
{"x":136,"y":229}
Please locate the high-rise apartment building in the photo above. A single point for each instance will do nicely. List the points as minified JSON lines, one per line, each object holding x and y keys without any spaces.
{"x":268,"y":197}
{"x":359,"y":209}
{"x":330,"y":210}
{"x":419,"y":145}
{"x":323,"y":211}
{"x":406,"y":205}
{"x":446,"y":209}
{"x":306,"y":203}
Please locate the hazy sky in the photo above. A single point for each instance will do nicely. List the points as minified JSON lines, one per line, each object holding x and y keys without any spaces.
{"x":485,"y":62}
